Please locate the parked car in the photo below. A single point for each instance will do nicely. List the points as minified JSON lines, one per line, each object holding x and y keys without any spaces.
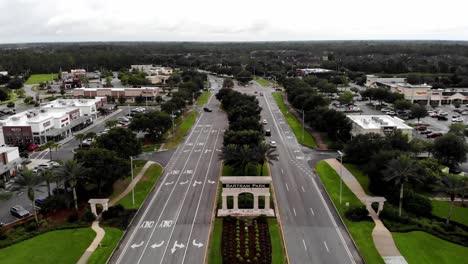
{"x":434,"y":115}
{"x":19,"y":211}
{"x":421,"y":128}
{"x":38,"y":202}
{"x":54,"y":164}
{"x":33,"y":147}
{"x":264,"y":122}
{"x":457,"y":120}
{"x":434,"y":135}
{"x":426,"y":132}
{"x":272,"y":144}
{"x":442,"y":118}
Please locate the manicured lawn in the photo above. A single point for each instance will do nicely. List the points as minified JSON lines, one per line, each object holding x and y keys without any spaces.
{"x":182,"y":130}
{"x":143,"y":187}
{"x":420,"y":247}
{"x":262,"y":82}
{"x":441,"y":209}
{"x":121,"y":185}
{"x":215,"y":256}
{"x":108,"y":243}
{"x":295,"y":125}
{"x":37,"y":78}
{"x":360,"y":231}
{"x":61,"y":246}
{"x":203,"y":99}
{"x":277,"y":250}
{"x":360,"y":176}
{"x":150,"y":148}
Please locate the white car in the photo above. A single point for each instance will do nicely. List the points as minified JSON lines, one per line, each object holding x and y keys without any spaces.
{"x":457,"y":120}
{"x":264,"y":122}
{"x":272,"y":144}
{"x":54,"y":164}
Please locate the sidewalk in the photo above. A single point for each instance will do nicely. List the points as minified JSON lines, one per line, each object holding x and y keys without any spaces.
{"x":382,"y":237}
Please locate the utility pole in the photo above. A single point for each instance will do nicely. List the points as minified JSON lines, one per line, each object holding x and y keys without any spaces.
{"x":341,"y":174}
{"x":133,"y":188}
{"x":303,"y":125}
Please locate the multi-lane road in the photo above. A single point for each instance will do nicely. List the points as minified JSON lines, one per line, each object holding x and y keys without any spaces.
{"x":173,"y":225}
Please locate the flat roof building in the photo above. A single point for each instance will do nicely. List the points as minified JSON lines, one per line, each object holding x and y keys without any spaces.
{"x":10,"y":161}
{"x":373,"y":81}
{"x":129,"y":94}
{"x":379,"y":124}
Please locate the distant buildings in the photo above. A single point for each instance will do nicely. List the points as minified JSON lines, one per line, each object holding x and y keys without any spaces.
{"x":157,"y":79}
{"x":380,"y":124}
{"x":53,"y":121}
{"x":373,"y":81}
{"x":152,"y":70}
{"x":307,"y":71}
{"x":149,"y":93}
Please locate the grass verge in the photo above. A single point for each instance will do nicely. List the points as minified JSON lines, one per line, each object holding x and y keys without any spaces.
{"x":277,"y":249}
{"x":151,"y":147}
{"x":262,"y":82}
{"x":203,"y":99}
{"x":420,"y":247}
{"x":143,"y":187}
{"x":441,"y":209}
{"x":182,"y":129}
{"x":108,"y":243}
{"x":120,"y":185}
{"x":360,"y":231}
{"x":214,"y":252}
{"x":37,"y":78}
{"x":61,"y":246}
{"x":360,"y":176}
{"x":295,"y":125}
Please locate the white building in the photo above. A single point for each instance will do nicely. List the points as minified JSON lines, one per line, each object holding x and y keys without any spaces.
{"x":53,"y":121}
{"x":130,"y":94}
{"x":307,"y":71}
{"x":10,"y":162}
{"x":379,"y":124}
{"x":3,"y":73}
{"x":151,"y":69}
{"x":373,"y":81}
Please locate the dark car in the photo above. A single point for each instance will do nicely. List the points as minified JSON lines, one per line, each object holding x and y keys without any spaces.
{"x":19,"y":211}
{"x":267,"y":132}
{"x":39,"y":202}
{"x":207,"y":109}
{"x":427,"y":132}
{"x":442,"y":118}
{"x":434,"y":135}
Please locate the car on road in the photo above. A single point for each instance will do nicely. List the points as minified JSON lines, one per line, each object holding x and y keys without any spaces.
{"x":261,"y":94}
{"x":207,"y":109}
{"x":426,"y":132}
{"x":264,"y":122}
{"x":268,"y":132}
{"x":44,"y":166}
{"x":54,"y":164}
{"x":442,"y":118}
{"x":434,"y":135}
{"x":272,"y":144}
{"x":19,"y":211}
{"x":33,"y":147}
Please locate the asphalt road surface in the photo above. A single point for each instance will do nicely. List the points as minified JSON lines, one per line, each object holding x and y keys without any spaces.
{"x":312,"y":229}
{"x":173,"y":225}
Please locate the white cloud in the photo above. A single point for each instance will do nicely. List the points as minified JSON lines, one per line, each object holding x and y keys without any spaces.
{"x":214,"y":20}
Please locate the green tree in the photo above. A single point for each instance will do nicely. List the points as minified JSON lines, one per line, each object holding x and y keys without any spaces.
{"x":49,"y":176}
{"x":120,"y":140}
{"x":122,"y":100}
{"x":51,"y":145}
{"x":80,"y":137}
{"x":244,"y":77}
{"x":111,"y":123}
{"x":228,"y":83}
{"x":3,"y":94}
{"x":451,"y":185}
{"x":346,"y":97}
{"x":458,"y":129}
{"x":402,"y":104}
{"x":264,"y":153}
{"x":418,"y":111}
{"x":400,"y":170}
{"x":72,"y":172}
{"x":30,"y":183}
{"x":450,"y":150}
{"x":155,"y":123}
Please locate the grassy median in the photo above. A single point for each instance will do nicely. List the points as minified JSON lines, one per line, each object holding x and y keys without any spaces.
{"x":441,"y":209}
{"x":295,"y":125}
{"x":360,"y":231}
{"x":38,"y":78}
{"x":203,"y":99}
{"x":214,"y":253}
{"x":143,"y":187}
{"x":420,"y":247}
{"x":277,"y":249}
{"x":61,"y":246}
{"x":262,"y":82}
{"x":182,"y":129}
{"x":107,"y":245}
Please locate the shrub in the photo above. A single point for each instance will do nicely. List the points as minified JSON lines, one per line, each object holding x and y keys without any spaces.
{"x":357,"y":214}
{"x":72,"y":218}
{"x":88,"y":216}
{"x":417,"y":204}
{"x":30,"y":226}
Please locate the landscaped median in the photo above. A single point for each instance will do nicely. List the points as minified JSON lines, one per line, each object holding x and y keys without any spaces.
{"x":262,"y":82}
{"x":295,"y":125}
{"x":183,"y":125}
{"x":361,"y":232}
{"x":203,"y":99}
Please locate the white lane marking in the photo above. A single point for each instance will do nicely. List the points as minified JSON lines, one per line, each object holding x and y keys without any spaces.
{"x":196,"y":182}
{"x":325,"y":243}
{"x":312,"y":211}
{"x":155,"y":245}
{"x":302,"y":187}
{"x":137,"y":245}
{"x":303,"y":242}
{"x":185,"y":182}
{"x":199,"y":245}
{"x":147,"y":224}
{"x":166,"y":223}
{"x":287,"y":188}
{"x":169,"y":183}
{"x":282,"y":171}
{"x":211,"y":182}
{"x":176,"y":246}
{"x":294,"y":210}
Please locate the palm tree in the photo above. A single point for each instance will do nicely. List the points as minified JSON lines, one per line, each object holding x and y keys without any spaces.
{"x":451,"y":184}
{"x":229,"y":154}
{"x":51,"y":145}
{"x":400,"y":170}
{"x":30,"y":183}
{"x":244,"y":156}
{"x":49,"y":176}
{"x":91,"y":134}
{"x":72,"y":172}
{"x":111,"y":123}
{"x":80,"y":138}
{"x":264,"y":153}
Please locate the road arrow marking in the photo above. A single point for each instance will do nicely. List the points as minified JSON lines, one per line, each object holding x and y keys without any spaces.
{"x":218,"y":150}
{"x":185,"y":182}
{"x":157,"y":245}
{"x":195,"y":183}
{"x":197,"y":150}
{"x":199,"y":245}
{"x":137,"y":245}
{"x":169,"y":183}
{"x":211,"y":182}
{"x":176,"y":246}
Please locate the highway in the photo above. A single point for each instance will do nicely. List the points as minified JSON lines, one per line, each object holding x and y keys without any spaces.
{"x":173,"y":225}
{"x":313,"y":231}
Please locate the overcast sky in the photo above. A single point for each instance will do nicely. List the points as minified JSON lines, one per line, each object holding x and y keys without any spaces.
{"x":235,"y":20}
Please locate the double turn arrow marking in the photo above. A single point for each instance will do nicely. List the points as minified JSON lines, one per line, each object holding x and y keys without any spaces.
{"x":137,"y":245}
{"x":195,"y":183}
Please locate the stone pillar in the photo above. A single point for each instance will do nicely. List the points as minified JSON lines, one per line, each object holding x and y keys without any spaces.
{"x":380,"y":207}
{"x":224,"y":206}
{"x":236,"y":201}
{"x":255,"y":206}
{"x":267,"y":202}
{"x":105,"y":207}
{"x":93,"y":209}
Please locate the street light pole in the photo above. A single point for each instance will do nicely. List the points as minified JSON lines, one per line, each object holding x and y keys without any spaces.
{"x":302,"y":125}
{"x":133,"y":189}
{"x":341,"y":174}
{"x":173,"y":126}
